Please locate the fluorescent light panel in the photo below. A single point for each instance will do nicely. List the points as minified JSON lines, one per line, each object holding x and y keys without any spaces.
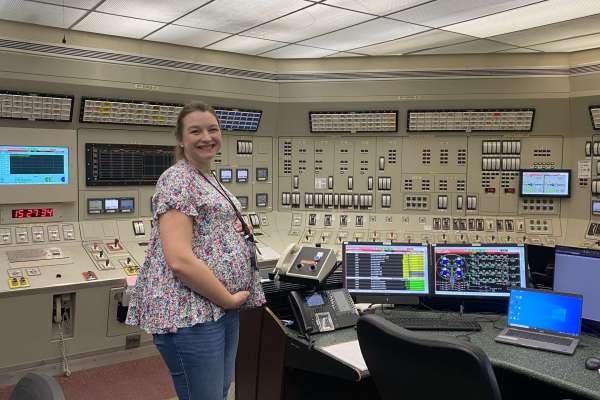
{"x":377,"y":7}
{"x":444,"y":12}
{"x":549,"y":33}
{"x":237,"y":15}
{"x":116,"y":25}
{"x":531,"y":16}
{"x":420,"y":41}
{"x":375,"y":31}
{"x":307,"y":23}
{"x":155,"y":10}
{"x":297,"y":51}
{"x":39,"y":13}
{"x":185,"y":36}
{"x":245,"y":45}
{"x":474,"y":46}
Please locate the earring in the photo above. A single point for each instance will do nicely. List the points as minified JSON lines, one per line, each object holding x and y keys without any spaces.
{"x":181,"y":145}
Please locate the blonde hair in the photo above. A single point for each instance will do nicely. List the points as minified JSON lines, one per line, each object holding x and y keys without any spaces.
{"x":185,"y":111}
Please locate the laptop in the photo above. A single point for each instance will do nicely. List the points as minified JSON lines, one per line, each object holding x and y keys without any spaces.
{"x":542,"y":319}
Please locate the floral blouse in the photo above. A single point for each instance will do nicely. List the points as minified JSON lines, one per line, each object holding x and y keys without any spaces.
{"x":159,"y":301}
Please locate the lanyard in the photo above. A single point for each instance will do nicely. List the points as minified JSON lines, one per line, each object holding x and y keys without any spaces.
{"x":247,"y":234}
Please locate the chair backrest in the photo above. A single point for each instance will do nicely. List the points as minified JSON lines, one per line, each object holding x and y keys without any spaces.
{"x":37,"y":386}
{"x":409,"y":365}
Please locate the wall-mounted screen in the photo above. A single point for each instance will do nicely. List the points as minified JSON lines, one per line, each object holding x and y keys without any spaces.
{"x":243,"y":201}
{"x":111,"y":205}
{"x":241,"y":175}
{"x":262,"y":174}
{"x":595,"y":207}
{"x":225,"y":175}
{"x":545,"y":183}
{"x":34,"y":165}
{"x":480,"y":271}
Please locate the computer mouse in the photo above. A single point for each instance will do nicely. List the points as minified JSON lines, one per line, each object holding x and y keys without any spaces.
{"x":592,"y":363}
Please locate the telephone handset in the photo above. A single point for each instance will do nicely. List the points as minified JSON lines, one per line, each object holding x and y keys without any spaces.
{"x":323,"y":311}
{"x":285,"y":261}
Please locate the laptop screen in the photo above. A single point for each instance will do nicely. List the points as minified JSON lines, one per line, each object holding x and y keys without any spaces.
{"x":546,"y":311}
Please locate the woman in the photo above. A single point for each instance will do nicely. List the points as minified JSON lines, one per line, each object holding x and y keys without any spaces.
{"x":197,"y":271}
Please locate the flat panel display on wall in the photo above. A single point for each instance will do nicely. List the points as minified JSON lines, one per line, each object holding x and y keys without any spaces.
{"x":125,"y":164}
{"x":513,"y":120}
{"x":353,"y":121}
{"x":35,"y":106}
{"x":595,"y":115}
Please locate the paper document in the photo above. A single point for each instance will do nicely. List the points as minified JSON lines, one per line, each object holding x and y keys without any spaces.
{"x":347,"y":352}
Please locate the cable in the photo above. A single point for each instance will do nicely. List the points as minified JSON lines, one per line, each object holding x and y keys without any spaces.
{"x":63,"y":350}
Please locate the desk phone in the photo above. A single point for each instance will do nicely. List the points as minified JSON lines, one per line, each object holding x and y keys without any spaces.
{"x":322,"y":311}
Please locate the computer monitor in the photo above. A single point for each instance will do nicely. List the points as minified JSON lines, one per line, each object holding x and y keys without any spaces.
{"x":34,"y":165}
{"x":578,"y":271}
{"x":386,"y":273}
{"x":485,"y":271}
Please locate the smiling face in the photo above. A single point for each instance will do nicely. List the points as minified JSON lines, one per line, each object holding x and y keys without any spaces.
{"x":201,"y":139}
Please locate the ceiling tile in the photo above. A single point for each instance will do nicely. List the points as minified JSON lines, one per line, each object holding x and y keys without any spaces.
{"x":574,"y":44}
{"x":245,"y":45}
{"x":474,"y":46}
{"x":236,"y":15}
{"x":297,"y":51}
{"x":39,"y":13}
{"x":420,"y":41}
{"x":86,"y":4}
{"x":307,"y":23}
{"x":117,"y":26}
{"x":531,"y":16}
{"x":518,"y":50}
{"x":377,"y":7}
{"x":374,"y":31}
{"x":553,"y":32}
{"x":155,"y":10}
{"x":186,"y":36}
{"x":344,"y":54}
{"x":445,"y":12}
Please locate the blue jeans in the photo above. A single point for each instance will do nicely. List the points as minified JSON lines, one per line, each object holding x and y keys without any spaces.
{"x":201,"y":358}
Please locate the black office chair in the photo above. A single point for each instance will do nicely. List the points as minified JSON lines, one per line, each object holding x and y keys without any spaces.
{"x":409,"y":365}
{"x":37,"y":386}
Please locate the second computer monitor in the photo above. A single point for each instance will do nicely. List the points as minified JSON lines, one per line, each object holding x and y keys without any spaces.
{"x":478,"y":271}
{"x":578,"y":271}
{"x":387,"y":273}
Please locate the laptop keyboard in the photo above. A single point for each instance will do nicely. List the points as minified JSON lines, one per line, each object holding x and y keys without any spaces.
{"x":539,"y":337}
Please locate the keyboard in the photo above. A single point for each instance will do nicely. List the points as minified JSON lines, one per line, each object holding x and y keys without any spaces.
{"x":539,"y":337}
{"x":435,"y":324}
